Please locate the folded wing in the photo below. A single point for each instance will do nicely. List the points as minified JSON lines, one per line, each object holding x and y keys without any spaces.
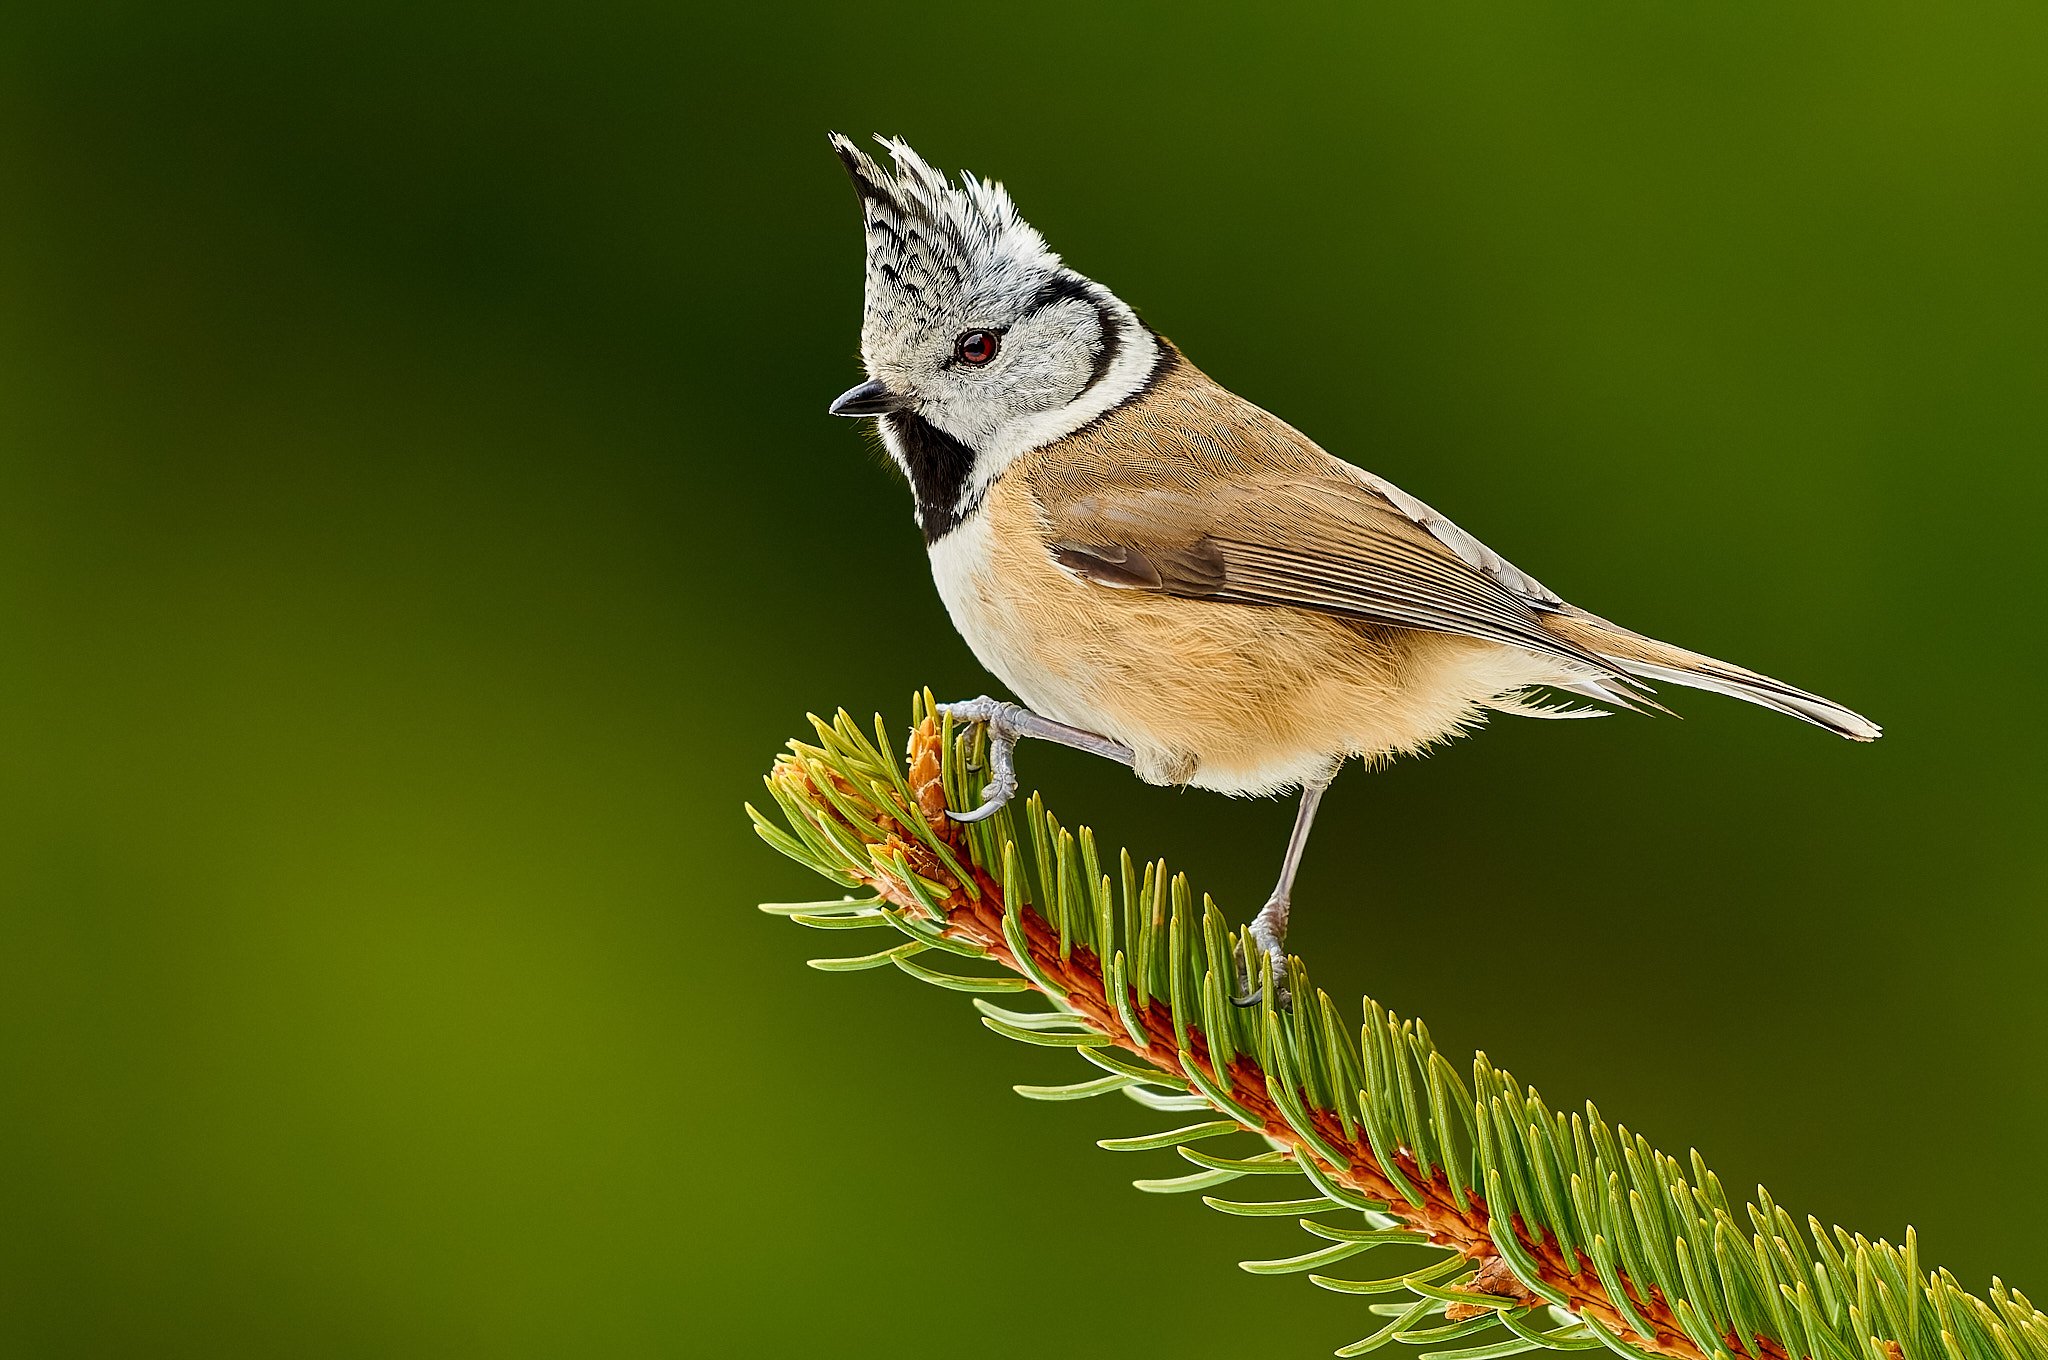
{"x":1292,"y":536}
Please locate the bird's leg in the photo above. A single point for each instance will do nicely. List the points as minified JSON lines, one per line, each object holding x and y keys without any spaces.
{"x":1007,"y":724}
{"x":1269,"y":927}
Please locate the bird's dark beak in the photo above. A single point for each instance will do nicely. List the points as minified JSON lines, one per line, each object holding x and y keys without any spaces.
{"x":871,"y":398}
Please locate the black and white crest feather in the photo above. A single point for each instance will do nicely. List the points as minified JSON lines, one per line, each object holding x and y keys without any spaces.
{"x":934,"y":247}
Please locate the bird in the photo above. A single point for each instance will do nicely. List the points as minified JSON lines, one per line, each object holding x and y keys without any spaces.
{"x":1168,"y":576}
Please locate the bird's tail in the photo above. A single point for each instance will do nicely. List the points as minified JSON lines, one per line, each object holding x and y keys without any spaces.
{"x":1663,"y":663}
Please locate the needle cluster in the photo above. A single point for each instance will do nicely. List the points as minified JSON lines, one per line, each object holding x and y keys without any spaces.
{"x":1543,"y":1230}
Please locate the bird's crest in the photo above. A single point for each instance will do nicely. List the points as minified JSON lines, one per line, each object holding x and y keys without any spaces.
{"x":934,"y":245}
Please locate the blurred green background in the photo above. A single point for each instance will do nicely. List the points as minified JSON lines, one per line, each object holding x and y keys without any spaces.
{"x":419,"y":526}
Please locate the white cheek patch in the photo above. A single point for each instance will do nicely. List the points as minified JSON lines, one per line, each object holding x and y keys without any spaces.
{"x":1138,"y":355}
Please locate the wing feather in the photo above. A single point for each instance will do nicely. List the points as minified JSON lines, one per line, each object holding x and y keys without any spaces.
{"x":1256,"y":536}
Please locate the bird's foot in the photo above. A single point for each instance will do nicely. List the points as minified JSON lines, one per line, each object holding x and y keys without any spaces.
{"x":1004,"y":725}
{"x":1268,"y":942}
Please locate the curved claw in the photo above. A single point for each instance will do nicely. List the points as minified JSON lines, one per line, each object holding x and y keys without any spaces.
{"x":1276,"y":973}
{"x":994,"y":799}
{"x":1282,"y":999}
{"x":1248,"y":1000}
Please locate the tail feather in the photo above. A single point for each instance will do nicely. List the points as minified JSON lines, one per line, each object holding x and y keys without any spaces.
{"x":1663,"y":663}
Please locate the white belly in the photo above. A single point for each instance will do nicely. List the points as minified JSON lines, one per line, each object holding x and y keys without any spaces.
{"x":983,"y":613}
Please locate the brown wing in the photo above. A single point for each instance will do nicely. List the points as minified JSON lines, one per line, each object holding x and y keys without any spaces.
{"x":1208,"y":497}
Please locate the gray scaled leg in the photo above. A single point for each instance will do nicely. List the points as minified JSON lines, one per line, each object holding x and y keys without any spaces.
{"x":1007,"y":724}
{"x":1269,"y":927}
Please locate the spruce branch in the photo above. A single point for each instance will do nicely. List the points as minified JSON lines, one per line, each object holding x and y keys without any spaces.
{"x":1553,"y":1231}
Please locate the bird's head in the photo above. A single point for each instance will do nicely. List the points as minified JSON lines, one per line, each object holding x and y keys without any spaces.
{"x":972,"y":325}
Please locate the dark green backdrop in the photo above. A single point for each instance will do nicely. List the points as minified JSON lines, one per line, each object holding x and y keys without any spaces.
{"x":419,"y":525}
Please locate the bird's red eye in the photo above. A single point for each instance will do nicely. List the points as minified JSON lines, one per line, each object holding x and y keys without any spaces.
{"x":977,"y":347}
